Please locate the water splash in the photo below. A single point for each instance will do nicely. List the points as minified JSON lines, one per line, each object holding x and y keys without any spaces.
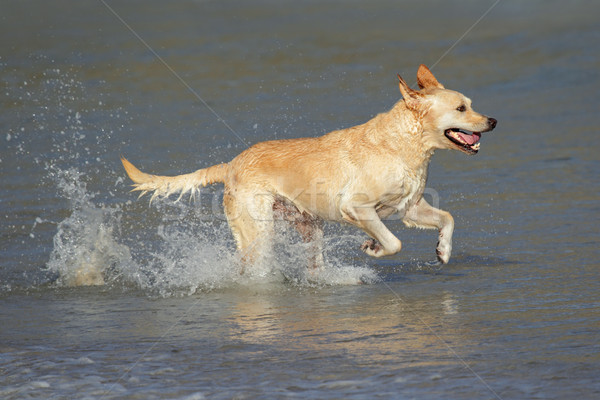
{"x":90,"y":248}
{"x":190,"y":257}
{"x":85,"y":251}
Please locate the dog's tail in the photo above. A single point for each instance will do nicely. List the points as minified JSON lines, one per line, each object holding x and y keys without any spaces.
{"x":163,"y":186}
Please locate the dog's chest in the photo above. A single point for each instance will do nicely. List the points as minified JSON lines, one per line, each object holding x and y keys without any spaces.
{"x":402,"y":190}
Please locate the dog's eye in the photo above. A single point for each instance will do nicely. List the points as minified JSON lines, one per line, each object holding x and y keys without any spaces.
{"x":461,"y":108}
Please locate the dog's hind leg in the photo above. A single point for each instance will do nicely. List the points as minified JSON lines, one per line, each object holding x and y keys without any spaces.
{"x":250,"y":218}
{"x":312,"y":233}
{"x":310,"y":229}
{"x":423,"y":215}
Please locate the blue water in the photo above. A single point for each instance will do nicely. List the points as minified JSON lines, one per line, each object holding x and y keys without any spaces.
{"x":180,"y":86}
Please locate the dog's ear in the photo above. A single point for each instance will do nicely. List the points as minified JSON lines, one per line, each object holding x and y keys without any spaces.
{"x":412,"y":98}
{"x":425,"y":78}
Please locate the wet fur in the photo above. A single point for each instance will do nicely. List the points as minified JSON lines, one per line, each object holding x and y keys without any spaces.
{"x":356,"y":175}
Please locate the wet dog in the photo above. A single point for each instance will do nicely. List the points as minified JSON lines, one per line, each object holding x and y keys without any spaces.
{"x":357,"y":175}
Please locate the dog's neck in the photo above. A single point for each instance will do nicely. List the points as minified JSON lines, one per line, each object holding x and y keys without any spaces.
{"x":400,"y":132}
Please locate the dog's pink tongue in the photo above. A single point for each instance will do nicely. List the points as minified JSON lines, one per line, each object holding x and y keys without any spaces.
{"x":470,"y":139}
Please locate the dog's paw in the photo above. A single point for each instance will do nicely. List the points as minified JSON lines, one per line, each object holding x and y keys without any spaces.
{"x":443,"y":252}
{"x":372,"y":247}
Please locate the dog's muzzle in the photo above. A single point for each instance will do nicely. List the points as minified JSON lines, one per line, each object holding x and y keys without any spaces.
{"x":466,"y":141}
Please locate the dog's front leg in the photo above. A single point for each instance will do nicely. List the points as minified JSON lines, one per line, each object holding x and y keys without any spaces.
{"x":423,"y":215}
{"x":366,"y":218}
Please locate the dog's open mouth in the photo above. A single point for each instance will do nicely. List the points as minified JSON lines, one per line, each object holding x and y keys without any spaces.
{"x":466,"y":141}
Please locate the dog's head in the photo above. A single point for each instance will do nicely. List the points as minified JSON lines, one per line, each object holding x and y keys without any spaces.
{"x":448,"y":120}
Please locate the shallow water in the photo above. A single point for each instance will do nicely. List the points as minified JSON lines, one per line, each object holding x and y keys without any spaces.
{"x":515,"y":313}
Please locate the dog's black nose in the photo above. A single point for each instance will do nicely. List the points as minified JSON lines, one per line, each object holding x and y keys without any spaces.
{"x":492,"y":123}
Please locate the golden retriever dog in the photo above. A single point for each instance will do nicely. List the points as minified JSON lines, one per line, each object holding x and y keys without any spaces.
{"x":357,"y":175}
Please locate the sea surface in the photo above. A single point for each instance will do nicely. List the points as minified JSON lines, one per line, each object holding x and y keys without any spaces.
{"x":178,"y":86}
